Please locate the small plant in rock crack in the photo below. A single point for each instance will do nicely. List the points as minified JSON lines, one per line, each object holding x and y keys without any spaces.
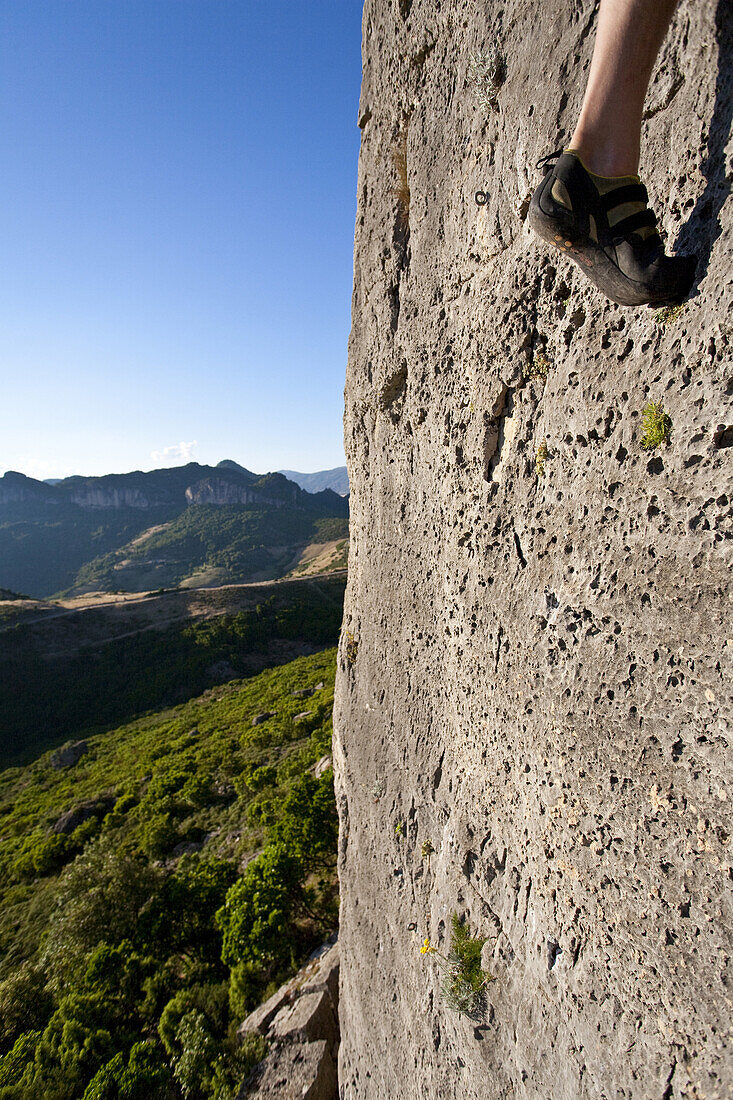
{"x":352,"y":648}
{"x":667,"y":315}
{"x":538,"y":368}
{"x":487,"y":73}
{"x":399,"y":829}
{"x":427,"y":851}
{"x":463,"y":982}
{"x":657,"y":426}
{"x":541,"y":459}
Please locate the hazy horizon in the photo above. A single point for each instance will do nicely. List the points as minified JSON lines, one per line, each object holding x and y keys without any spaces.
{"x":151,"y":469}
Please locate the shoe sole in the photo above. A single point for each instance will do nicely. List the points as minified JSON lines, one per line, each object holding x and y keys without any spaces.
{"x":592,"y":260}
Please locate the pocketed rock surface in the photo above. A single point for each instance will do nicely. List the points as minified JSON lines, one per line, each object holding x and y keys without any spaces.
{"x":535,"y":670}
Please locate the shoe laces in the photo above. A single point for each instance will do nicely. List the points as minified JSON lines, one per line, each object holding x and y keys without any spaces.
{"x":543,"y":164}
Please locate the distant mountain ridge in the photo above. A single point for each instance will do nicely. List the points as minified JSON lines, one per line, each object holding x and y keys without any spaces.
{"x":146,"y":529}
{"x":336,"y":479}
{"x":226,"y":483}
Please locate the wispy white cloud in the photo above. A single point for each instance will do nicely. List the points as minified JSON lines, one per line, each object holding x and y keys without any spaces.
{"x":177,"y":452}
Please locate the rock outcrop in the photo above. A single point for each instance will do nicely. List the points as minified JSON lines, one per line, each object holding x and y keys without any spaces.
{"x":533,"y":710}
{"x":69,"y":754}
{"x":219,"y":490}
{"x":300,"y":1022}
{"x":91,"y":807}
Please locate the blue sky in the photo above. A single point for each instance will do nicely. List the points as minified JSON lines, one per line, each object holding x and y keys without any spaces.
{"x":177,"y":203}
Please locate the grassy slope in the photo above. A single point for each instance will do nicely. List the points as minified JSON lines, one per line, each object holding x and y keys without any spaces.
{"x":210,"y":737}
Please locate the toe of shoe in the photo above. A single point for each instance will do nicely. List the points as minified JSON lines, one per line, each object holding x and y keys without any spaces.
{"x":677,"y":275}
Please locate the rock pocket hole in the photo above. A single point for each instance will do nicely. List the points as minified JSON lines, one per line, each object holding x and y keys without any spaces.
{"x":393,"y":392}
{"x":499,"y":436}
{"x":723,"y":436}
{"x":553,"y":953}
{"x":402,"y":188}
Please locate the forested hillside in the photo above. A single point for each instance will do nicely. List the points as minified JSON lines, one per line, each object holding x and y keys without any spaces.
{"x":157,"y":881}
{"x":211,"y":544}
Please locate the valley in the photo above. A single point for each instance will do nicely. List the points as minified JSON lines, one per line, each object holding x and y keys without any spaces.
{"x":193,"y":526}
{"x":109,"y":616}
{"x":81,"y":664}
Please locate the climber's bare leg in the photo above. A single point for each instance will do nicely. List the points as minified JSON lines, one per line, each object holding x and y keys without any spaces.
{"x":628,"y":38}
{"x":586,"y":205}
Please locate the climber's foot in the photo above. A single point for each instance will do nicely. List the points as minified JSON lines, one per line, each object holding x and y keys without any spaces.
{"x":605,"y":226}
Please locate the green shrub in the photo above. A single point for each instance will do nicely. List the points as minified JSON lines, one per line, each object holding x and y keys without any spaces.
{"x":181,"y":915}
{"x":657,"y":426}
{"x":15,"y":1064}
{"x":487,"y":73}
{"x":245,"y":989}
{"x":25,"y":1003}
{"x":464,"y":982}
{"x":197,"y":791}
{"x":667,"y":315}
{"x":99,"y":899}
{"x":258,"y":920}
{"x":124,"y":803}
{"x":234,"y":1066}
{"x":256,"y":916}
{"x":142,"y":1076}
{"x":538,"y":368}
{"x":158,"y":836}
{"x":261,"y":812}
{"x":74,"y":1045}
{"x":193,"y":1055}
{"x":258,"y":777}
{"x":307,"y":826}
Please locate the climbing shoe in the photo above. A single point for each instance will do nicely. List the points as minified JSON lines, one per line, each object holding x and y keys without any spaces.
{"x":605,"y":225}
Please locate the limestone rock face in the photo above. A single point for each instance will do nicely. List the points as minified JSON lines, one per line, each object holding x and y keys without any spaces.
{"x":533,"y":708}
{"x":219,"y":490}
{"x":93,"y":497}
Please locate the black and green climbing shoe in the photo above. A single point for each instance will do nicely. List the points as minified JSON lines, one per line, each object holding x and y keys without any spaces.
{"x":606,"y":226}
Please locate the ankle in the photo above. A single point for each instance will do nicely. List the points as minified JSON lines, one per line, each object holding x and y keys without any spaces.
{"x":605,"y":160}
